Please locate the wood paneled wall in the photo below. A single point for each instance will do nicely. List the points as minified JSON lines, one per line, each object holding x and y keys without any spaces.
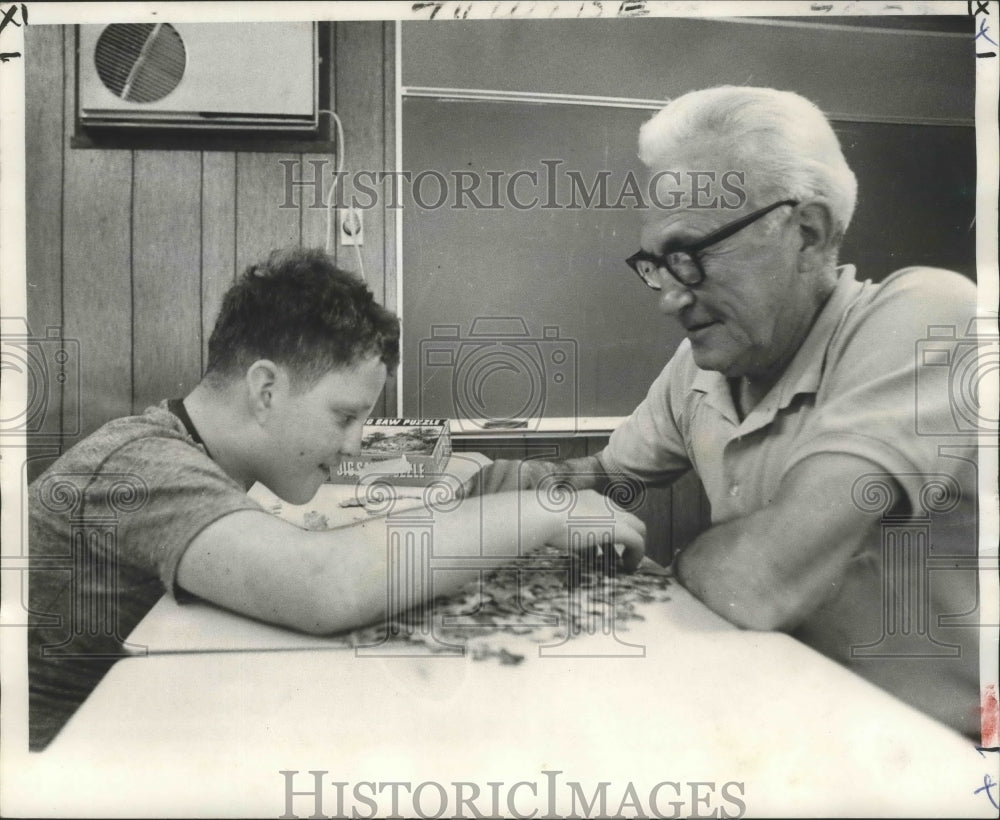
{"x":130,"y":251}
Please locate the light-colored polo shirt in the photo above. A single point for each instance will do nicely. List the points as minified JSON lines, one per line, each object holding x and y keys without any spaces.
{"x":874,"y":378}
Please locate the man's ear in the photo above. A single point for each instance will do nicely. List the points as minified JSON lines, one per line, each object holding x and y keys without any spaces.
{"x":818,"y":235}
{"x":262,"y":379}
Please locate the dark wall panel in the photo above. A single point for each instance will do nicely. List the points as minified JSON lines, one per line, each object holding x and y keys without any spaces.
{"x":262,"y":221}
{"x":859,"y":72}
{"x":97,"y":272}
{"x":166,"y":275}
{"x":44,"y":78}
{"x":218,"y":236}
{"x":559,"y":264}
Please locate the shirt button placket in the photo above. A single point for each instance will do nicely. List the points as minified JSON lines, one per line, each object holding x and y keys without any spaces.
{"x":732,"y":466}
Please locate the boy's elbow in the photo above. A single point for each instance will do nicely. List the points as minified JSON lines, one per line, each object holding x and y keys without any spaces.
{"x":318,"y":624}
{"x":332,"y":622}
{"x":321,"y":612}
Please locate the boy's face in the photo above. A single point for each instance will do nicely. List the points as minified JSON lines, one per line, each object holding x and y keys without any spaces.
{"x":310,"y":431}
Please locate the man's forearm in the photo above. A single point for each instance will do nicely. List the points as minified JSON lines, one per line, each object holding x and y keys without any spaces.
{"x":770,"y":569}
{"x":583,"y":473}
{"x":727,"y":569}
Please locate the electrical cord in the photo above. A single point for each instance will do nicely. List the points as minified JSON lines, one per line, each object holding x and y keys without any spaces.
{"x":341,"y":154}
{"x":336,"y":178}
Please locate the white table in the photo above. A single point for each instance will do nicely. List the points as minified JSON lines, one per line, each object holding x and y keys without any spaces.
{"x":207,"y":733}
{"x":171,"y":628}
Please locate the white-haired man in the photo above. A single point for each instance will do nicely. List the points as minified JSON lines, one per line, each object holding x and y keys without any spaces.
{"x":795,"y":398}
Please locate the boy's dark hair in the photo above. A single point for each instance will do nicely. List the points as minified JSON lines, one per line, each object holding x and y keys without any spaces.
{"x":303,"y":312}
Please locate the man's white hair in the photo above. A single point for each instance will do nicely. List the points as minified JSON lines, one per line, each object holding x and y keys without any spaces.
{"x":782,"y":141}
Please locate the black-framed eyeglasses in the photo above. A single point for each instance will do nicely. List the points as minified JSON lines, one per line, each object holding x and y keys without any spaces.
{"x":683,"y":263}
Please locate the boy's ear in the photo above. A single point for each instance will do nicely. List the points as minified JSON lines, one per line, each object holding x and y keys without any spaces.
{"x":817,"y":233}
{"x":263,"y":377}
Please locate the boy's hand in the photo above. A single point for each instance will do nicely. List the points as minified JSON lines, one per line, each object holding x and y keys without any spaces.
{"x":614,"y":528}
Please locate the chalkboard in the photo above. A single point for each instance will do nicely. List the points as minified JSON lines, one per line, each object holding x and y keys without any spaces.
{"x":511,"y":311}
{"x":856,"y":67}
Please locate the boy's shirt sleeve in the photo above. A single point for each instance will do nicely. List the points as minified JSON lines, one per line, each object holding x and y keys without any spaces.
{"x":164,"y":492}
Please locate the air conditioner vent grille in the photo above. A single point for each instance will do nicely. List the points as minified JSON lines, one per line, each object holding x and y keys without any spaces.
{"x":140,"y":62}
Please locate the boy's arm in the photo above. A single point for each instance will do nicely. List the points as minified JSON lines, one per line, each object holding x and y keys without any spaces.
{"x":324,"y":582}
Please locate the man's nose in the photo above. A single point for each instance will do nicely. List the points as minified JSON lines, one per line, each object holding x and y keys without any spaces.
{"x":674,"y":297}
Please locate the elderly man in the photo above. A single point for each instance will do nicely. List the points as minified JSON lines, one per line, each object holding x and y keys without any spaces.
{"x":795,"y":399}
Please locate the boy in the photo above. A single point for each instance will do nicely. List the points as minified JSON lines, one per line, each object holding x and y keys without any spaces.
{"x":297,"y":360}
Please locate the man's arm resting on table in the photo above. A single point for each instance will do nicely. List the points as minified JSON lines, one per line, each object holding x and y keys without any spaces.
{"x":584,"y":473}
{"x":770,"y":569}
{"x":324,"y":582}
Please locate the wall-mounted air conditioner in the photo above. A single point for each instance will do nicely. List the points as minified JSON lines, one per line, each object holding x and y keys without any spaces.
{"x":256,"y":76}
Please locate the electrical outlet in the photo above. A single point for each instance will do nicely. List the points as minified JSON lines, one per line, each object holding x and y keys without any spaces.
{"x":352,"y":227}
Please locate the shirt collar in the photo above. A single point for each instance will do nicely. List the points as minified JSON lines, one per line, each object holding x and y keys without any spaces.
{"x":803,"y":373}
